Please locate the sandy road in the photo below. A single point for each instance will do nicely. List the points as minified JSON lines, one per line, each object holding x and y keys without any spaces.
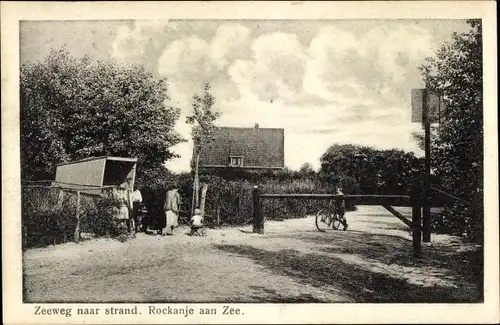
{"x":291,"y":262}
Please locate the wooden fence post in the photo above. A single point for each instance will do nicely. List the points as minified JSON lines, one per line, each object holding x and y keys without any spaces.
{"x":77,"y":227}
{"x":426,"y":204}
{"x":416,"y":220}
{"x":218,"y":216}
{"x":203,"y":198}
{"x":258,"y":218}
{"x":60,"y":199}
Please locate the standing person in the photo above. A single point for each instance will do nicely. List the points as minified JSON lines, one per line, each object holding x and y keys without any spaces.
{"x":120,"y":209}
{"x":138,"y":211}
{"x":340,"y":207}
{"x":172,"y":207}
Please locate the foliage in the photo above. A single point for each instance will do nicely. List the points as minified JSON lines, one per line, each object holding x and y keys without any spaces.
{"x":202,"y":121}
{"x":97,"y":214}
{"x":154,"y":178}
{"x":369,"y":171}
{"x":457,"y":147}
{"x":229,"y":196}
{"x":154,"y":195}
{"x":306,"y":169}
{"x":231,"y":200}
{"x":46,"y":219}
{"x":75,"y":108}
{"x":203,"y":118}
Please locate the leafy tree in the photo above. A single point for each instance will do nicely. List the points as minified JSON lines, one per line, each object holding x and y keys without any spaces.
{"x":202,"y":121}
{"x":203,"y":117}
{"x":306,"y":169}
{"x":73,"y":108}
{"x":367,"y":170}
{"x":457,"y":147}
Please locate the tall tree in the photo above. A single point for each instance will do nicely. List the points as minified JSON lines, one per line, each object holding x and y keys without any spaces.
{"x":202,"y":121}
{"x":73,"y":108}
{"x":457,"y":148}
{"x":367,"y":170}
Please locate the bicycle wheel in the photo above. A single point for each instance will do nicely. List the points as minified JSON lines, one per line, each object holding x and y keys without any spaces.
{"x":336,"y":222}
{"x":323,"y":220}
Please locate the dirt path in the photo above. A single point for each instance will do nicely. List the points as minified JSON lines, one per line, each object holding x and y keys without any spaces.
{"x":292,"y":262}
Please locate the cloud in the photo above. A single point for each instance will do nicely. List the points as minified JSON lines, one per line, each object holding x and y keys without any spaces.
{"x":132,"y":42}
{"x":231,"y":41}
{"x":341,"y":87}
{"x":376,"y":66}
{"x":188,"y":62}
{"x":184,"y":58}
{"x":336,"y":86}
{"x":275,"y":70}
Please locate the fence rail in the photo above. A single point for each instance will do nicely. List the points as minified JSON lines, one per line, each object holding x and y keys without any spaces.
{"x":414,"y":201}
{"x":71,"y":187}
{"x":361,"y":199}
{"x":399,"y":200}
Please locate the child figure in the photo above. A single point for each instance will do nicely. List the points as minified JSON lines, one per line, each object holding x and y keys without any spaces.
{"x":196,"y":222}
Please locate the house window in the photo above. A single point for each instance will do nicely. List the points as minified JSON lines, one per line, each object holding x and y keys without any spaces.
{"x":236,"y":161}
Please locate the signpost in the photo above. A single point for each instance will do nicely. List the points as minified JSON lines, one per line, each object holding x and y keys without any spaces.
{"x":433,"y":106}
{"x":426,"y":109}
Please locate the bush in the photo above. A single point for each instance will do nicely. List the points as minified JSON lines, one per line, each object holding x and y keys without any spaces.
{"x":97,"y":214}
{"x":229,"y":195}
{"x":49,"y":217}
{"x":43,"y":219}
{"x":231,"y":200}
{"x":154,"y":194}
{"x":460,"y":219}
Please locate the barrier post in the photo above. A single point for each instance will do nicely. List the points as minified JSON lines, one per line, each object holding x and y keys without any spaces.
{"x":426,"y":204}
{"x":416,"y":216}
{"x":258,"y":218}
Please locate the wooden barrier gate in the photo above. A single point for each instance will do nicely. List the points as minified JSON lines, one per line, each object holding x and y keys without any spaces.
{"x":387,"y":201}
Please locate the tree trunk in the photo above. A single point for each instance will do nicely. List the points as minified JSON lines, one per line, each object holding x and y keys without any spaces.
{"x":197,"y":178}
{"x":196,"y":186}
{"x":204,"y":189}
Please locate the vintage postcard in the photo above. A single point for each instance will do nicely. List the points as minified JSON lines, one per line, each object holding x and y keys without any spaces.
{"x":249,"y":162}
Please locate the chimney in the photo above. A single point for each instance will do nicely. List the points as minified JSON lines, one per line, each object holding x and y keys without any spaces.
{"x":256,"y":126}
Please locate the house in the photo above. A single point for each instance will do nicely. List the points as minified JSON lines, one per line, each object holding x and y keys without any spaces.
{"x":245,"y":148}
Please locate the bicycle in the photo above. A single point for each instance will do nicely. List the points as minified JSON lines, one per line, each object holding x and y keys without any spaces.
{"x":327,"y":218}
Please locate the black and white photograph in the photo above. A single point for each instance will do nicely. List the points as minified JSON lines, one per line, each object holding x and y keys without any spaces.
{"x":182,"y":169}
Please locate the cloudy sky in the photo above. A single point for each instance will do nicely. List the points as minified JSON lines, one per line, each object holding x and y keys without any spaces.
{"x":324,"y":82}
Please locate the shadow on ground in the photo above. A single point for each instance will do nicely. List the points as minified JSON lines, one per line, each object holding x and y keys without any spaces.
{"x":321,"y":269}
{"x":392,"y":249}
{"x":388,"y":225}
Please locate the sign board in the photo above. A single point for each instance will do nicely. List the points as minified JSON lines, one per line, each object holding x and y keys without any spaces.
{"x":433,"y":102}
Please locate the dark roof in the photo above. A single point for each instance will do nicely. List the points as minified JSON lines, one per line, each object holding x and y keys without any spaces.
{"x":260,"y":147}
{"x":98,"y":158}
